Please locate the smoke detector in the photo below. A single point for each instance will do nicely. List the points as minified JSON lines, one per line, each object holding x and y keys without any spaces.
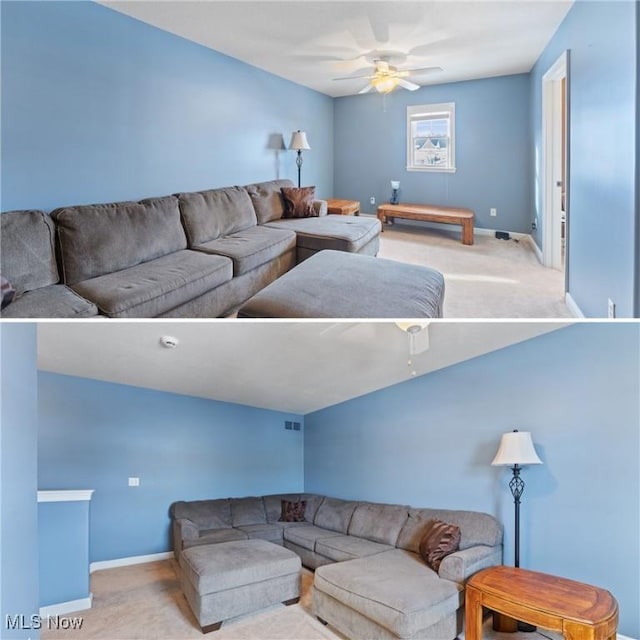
{"x":169,"y":342}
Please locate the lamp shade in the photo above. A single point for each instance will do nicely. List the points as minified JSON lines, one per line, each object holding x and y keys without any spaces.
{"x":516,"y":447}
{"x":299,"y":141}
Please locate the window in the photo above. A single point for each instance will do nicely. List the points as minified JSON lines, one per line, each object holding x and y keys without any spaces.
{"x":431,"y":137}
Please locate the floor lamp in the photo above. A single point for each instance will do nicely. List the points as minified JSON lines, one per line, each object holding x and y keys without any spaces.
{"x":516,"y":450}
{"x":299,"y":143}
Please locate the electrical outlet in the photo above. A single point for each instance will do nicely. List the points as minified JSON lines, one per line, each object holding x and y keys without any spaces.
{"x":493,"y":212}
{"x":372,"y":200}
{"x":134,"y":482}
{"x":534,"y":225}
{"x":611,"y":308}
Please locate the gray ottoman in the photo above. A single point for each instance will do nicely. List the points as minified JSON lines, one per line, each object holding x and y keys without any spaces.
{"x":337,"y":284}
{"x":229,"y":579}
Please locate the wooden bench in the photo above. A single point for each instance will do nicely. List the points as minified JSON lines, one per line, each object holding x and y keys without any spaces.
{"x":431,"y":213}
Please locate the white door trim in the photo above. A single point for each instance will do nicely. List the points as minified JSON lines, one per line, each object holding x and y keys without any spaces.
{"x":551,"y":240}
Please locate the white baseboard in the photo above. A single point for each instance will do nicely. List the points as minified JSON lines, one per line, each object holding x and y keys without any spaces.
{"x":62,"y":608}
{"x":125,"y":562}
{"x":536,"y":249}
{"x":576,"y":312}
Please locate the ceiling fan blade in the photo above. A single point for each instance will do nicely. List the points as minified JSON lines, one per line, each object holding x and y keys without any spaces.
{"x":405,"y":84}
{"x":417,"y":72}
{"x":366,"y":89}
{"x":353,"y":77}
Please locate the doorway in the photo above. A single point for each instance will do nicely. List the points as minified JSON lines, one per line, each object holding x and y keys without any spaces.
{"x":555,"y":160}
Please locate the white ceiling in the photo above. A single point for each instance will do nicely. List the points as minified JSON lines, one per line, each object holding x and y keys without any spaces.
{"x":310,"y":42}
{"x":296,"y":367}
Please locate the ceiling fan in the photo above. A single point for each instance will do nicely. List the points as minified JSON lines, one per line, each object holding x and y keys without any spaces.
{"x":385,"y":77}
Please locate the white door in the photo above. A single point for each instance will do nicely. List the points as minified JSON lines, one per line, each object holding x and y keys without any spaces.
{"x":554,"y":157}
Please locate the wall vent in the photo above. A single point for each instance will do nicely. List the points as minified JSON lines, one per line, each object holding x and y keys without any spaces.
{"x":296,"y":426}
{"x":288,"y":425}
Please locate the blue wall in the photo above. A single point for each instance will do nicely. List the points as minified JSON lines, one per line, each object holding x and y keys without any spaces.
{"x":430,"y":442}
{"x":492,"y":150}
{"x":18,"y":473}
{"x":63,"y":536}
{"x":637,"y":191}
{"x":95,"y":435}
{"x":97,"y":107}
{"x":603,"y":114}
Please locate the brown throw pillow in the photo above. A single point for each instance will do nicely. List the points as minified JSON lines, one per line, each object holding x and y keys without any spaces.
{"x":298,"y":202}
{"x":7,"y":292}
{"x":438,"y":540}
{"x":292,"y":511}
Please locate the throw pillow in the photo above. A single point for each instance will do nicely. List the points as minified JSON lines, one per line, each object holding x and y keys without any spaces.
{"x":298,"y":202}
{"x":7,"y":292}
{"x":292,"y":511}
{"x":438,"y":541}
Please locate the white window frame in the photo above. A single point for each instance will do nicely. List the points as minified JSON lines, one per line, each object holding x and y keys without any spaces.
{"x":424,"y":112}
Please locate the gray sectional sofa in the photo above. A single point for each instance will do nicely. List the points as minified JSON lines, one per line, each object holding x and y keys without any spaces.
{"x":370,"y":581}
{"x":185,"y":255}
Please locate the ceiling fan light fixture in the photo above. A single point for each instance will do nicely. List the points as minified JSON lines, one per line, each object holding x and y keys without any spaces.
{"x":384,"y":83}
{"x":412,"y":326}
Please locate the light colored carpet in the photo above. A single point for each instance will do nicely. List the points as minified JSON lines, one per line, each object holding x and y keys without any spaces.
{"x":490,"y":279}
{"x":145,"y":602}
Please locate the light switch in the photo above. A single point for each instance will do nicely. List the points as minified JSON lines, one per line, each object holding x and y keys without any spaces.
{"x":134,"y":482}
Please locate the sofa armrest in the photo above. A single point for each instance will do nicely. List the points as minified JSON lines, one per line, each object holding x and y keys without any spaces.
{"x":320,"y":206}
{"x":183,"y":529}
{"x":188,"y":529}
{"x":463,"y":564}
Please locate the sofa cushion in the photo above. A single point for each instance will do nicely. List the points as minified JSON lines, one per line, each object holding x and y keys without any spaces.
{"x":267,"y":199}
{"x":270,"y":532}
{"x":251,"y":248}
{"x":215,"y":213}
{"x":207,"y":514}
{"x":27,"y":255}
{"x":395,"y":589}
{"x":151,"y":288}
{"x":335,"y":514}
{"x":216,"y":536}
{"x":439,"y":540}
{"x":54,"y":301}
{"x":342,"y":233}
{"x":100,"y":239}
{"x":298,"y":202}
{"x":313,"y":501}
{"x":247,"y":511}
{"x":306,"y":536}
{"x":475,"y":528}
{"x":340,"y":548}
{"x":273,"y":504}
{"x":378,"y":522}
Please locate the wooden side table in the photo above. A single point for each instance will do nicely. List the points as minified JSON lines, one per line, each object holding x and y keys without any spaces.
{"x":577,"y":610}
{"x":343,"y":207}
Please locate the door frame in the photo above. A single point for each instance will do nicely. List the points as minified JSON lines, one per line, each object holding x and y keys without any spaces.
{"x":551,"y":163}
